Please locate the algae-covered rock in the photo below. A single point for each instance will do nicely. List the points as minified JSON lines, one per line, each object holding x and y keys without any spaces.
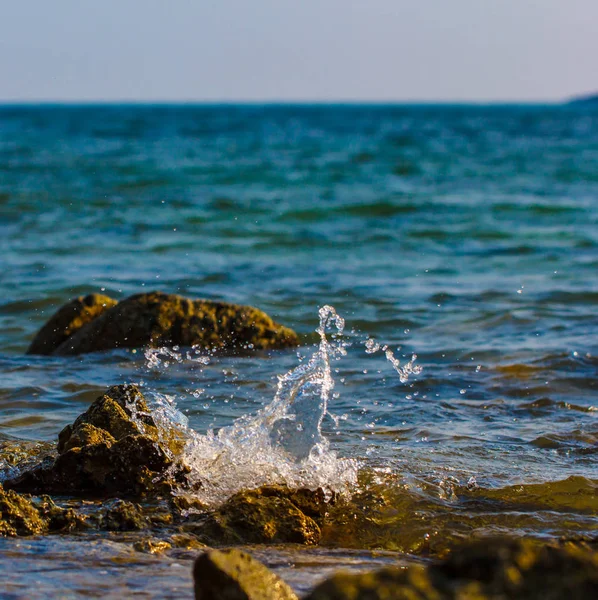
{"x":157,"y":319}
{"x":486,"y":569}
{"x":68,"y":320}
{"x":264,"y":516}
{"x":235,"y":575}
{"x":114,"y":448}
{"x":58,"y":519}
{"x":18,"y":516}
{"x":123,"y":516}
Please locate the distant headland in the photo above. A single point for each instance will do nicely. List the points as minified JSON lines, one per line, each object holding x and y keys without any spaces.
{"x":589,"y":99}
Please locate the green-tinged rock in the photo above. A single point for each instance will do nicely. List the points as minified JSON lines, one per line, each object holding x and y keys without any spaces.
{"x":18,"y":516}
{"x":259,"y":517}
{"x":68,"y":320}
{"x":114,"y":448}
{"x":156,"y":319}
{"x":235,"y":575}
{"x":60,"y":520}
{"x":123,"y":516}
{"x":186,"y":541}
{"x":486,"y":569}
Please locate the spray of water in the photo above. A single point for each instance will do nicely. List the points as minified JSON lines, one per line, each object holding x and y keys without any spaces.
{"x":409,"y":368}
{"x":281,"y":444}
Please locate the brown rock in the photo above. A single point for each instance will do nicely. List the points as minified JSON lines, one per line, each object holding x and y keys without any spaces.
{"x":486,"y":569}
{"x":114,"y":448}
{"x":157,"y":319}
{"x":235,"y":575}
{"x":254,"y":517}
{"x":123,"y":516}
{"x":18,"y":516}
{"x":68,"y":320}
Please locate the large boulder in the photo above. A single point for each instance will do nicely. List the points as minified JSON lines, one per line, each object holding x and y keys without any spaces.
{"x":486,"y":569}
{"x":235,"y":575}
{"x":155,"y":319}
{"x":114,"y":448}
{"x":268,"y":515}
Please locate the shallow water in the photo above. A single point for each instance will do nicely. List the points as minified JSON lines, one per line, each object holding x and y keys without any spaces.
{"x":465,"y":234}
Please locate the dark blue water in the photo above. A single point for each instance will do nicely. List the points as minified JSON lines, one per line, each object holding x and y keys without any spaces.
{"x":465,"y":234}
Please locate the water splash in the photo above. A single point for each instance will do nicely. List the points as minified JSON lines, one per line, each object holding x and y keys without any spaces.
{"x":281,"y":444}
{"x":409,"y":368}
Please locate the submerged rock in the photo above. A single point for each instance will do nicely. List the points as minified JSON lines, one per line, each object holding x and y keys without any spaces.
{"x":268,"y":515}
{"x":93,"y":323}
{"x":494,"y":569}
{"x":236,"y":575}
{"x":114,"y":448}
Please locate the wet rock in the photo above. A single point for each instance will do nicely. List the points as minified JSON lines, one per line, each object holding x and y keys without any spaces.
{"x":186,"y":541}
{"x":264,"y":516}
{"x":68,"y":320}
{"x":58,"y":519}
{"x":152,"y":546}
{"x":123,"y":516}
{"x":157,"y":319}
{"x":18,"y":516}
{"x":114,"y":448}
{"x":492,"y":569}
{"x":235,"y":575}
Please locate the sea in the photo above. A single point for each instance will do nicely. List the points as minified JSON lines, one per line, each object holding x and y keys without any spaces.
{"x":439,"y":262}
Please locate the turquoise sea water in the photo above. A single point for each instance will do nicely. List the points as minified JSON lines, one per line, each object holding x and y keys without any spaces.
{"x":465,"y":234}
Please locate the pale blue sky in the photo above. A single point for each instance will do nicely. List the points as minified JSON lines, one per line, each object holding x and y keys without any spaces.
{"x":381,"y":50}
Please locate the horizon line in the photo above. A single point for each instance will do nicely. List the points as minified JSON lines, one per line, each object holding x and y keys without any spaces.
{"x":282,"y":102}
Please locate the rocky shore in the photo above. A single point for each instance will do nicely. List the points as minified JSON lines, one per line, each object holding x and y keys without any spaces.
{"x":122,"y":471}
{"x":120,"y":468}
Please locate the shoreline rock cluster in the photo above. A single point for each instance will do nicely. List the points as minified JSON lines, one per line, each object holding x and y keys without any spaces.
{"x":482,"y":570}
{"x":115,"y":454}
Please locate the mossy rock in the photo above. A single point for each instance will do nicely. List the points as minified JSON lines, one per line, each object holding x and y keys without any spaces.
{"x":236,"y":575}
{"x":156,"y":319}
{"x":485,"y":569}
{"x":262,"y":516}
{"x":115,"y":448}
{"x":68,"y":320}
{"x":60,"y":520}
{"x":18,"y":516}
{"x":123,"y":516}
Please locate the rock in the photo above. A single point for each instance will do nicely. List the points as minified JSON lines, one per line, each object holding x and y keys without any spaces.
{"x":63,"y":520}
{"x":114,"y":448}
{"x":123,"y":516}
{"x":235,"y":575}
{"x":186,"y":541}
{"x":68,"y":320}
{"x":486,"y":569}
{"x":156,"y":319}
{"x":260,"y":517}
{"x":152,"y":546}
{"x":18,"y":516}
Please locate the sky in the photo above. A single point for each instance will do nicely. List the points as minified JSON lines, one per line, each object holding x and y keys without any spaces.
{"x":297,"y":50}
